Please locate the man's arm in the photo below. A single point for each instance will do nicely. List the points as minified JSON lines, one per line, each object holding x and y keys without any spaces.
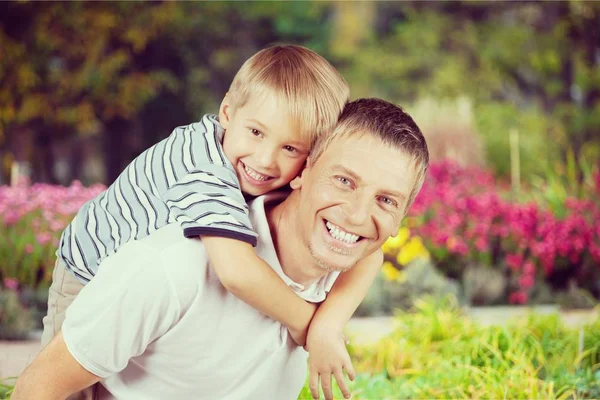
{"x":131,"y":291}
{"x":349,"y":290}
{"x":54,"y":374}
{"x":250,"y":278}
{"x":325,"y":342}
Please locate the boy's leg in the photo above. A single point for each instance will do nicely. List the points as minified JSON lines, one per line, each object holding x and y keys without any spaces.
{"x":65,"y":287}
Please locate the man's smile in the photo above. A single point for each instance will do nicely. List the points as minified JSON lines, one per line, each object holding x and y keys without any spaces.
{"x":338,"y":238}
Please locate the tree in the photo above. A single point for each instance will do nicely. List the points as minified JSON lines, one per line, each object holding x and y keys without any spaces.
{"x":72,"y":71}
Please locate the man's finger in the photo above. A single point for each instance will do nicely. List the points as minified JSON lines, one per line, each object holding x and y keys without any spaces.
{"x":313,"y":384}
{"x":341,"y":381}
{"x":326,"y":385}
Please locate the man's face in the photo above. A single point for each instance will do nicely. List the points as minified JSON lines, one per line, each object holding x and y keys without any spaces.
{"x":352,"y":199}
{"x":262,"y":143}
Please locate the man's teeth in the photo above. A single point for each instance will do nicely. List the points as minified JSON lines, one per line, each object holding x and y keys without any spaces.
{"x":339,"y":234}
{"x":254,"y":174}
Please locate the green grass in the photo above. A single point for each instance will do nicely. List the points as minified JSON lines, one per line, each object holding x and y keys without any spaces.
{"x":438,"y":353}
{"x":6,"y":386}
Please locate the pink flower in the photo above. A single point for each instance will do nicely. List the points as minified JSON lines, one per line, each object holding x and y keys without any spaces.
{"x":514,"y":261}
{"x":11,"y":284}
{"x":28,"y":248}
{"x":518,"y":297}
{"x":526,"y":281}
{"x":481,"y":244}
{"x":43,"y":238}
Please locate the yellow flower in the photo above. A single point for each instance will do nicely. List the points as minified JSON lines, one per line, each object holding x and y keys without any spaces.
{"x":397,"y":241}
{"x":412,"y":250}
{"x":390,"y":273}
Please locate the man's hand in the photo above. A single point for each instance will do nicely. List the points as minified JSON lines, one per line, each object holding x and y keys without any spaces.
{"x":328,"y":356}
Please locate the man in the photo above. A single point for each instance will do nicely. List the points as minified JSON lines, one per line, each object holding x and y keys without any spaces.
{"x":177,"y":333}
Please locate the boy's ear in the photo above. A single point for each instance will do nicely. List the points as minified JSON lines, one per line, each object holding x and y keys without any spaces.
{"x":225,"y":111}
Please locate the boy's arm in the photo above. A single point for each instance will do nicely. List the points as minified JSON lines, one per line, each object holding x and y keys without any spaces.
{"x":250,"y":278}
{"x":54,"y":374}
{"x":325,"y":342}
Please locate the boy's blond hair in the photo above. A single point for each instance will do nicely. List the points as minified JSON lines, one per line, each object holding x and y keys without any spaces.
{"x":313,"y":89}
{"x":387,"y":122}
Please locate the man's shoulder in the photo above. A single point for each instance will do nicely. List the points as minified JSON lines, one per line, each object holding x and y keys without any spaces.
{"x":183,"y":260}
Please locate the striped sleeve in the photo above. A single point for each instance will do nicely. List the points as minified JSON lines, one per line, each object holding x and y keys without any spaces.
{"x":209,"y":201}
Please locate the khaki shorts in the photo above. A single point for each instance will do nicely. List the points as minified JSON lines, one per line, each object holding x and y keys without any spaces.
{"x":65,"y":287}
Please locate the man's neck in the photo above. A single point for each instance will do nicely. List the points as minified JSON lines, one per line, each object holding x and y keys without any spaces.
{"x":294,"y":256}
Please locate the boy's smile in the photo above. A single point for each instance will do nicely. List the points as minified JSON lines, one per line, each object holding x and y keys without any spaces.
{"x":262,"y":143}
{"x":254,"y":177}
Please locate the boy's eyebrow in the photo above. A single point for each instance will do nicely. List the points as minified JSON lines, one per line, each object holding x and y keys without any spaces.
{"x":264,"y":128}
{"x":260,"y":124}
{"x":355,"y":176}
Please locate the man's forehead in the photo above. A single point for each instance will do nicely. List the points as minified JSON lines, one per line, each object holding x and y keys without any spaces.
{"x":369,"y":159}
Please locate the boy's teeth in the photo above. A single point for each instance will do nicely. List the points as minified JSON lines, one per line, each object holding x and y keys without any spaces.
{"x":254,"y":174}
{"x":341,"y":235}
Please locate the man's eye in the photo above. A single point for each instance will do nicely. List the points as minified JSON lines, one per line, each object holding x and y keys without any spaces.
{"x":344,"y":181}
{"x":388,"y":201}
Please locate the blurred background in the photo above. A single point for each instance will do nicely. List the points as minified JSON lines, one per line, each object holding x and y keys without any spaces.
{"x":507,"y":94}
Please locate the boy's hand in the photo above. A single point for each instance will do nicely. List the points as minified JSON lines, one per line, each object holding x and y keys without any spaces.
{"x":328,"y":356}
{"x":299,"y":335}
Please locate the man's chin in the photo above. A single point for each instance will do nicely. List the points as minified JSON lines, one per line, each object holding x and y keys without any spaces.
{"x":328,"y":262}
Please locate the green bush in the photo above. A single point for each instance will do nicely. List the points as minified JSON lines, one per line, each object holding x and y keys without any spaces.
{"x":16,"y":321}
{"x":438,"y":353}
{"x":6,"y":388}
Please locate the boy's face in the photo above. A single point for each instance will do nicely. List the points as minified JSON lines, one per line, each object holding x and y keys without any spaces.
{"x":262,"y":143}
{"x":352,"y":198}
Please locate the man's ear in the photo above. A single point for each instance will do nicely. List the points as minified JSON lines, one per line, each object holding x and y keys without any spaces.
{"x":296,"y":183}
{"x":225,"y":111}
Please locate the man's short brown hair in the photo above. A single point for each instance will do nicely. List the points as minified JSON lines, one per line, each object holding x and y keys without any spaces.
{"x":387,"y":122}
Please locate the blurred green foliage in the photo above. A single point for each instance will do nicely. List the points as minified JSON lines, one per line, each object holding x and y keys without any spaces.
{"x":80,"y":69}
{"x":436,"y":352}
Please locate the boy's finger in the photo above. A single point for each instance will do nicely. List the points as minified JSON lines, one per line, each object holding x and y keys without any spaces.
{"x":346,"y":339}
{"x":349,"y":368}
{"x":326,"y":385}
{"x":341,"y":381}
{"x":313,"y":384}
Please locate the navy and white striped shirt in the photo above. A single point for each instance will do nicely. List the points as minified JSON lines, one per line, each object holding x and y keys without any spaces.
{"x":184,"y":178}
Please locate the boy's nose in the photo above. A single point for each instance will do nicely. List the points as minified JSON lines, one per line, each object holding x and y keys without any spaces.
{"x":266,"y":159}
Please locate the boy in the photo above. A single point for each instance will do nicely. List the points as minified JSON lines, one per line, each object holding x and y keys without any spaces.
{"x":280,"y":100}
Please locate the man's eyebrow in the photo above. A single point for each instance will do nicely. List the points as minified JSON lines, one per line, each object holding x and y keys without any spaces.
{"x":354,"y":175}
{"x":394,"y":193}
{"x":347,"y":171}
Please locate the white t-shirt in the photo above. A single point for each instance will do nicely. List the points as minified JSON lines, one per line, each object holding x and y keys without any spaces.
{"x":156,"y":323}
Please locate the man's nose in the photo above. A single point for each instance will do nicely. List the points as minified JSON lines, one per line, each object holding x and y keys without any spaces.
{"x":357,"y":209}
